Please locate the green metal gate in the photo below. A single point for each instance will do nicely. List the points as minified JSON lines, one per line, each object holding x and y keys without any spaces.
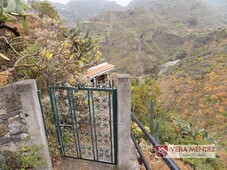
{"x":86,"y":122}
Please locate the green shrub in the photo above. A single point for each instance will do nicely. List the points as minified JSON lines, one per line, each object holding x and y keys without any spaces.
{"x":180,"y":54}
{"x":166,"y":132}
{"x":25,"y":158}
{"x":192,"y":21}
{"x":225,"y":114}
{"x":44,"y":8}
{"x":201,"y":164}
{"x":143,"y":92}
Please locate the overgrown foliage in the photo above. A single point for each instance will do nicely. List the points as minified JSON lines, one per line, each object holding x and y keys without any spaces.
{"x":180,"y":53}
{"x":192,"y":21}
{"x":44,"y":8}
{"x":49,"y":53}
{"x":26,"y":157}
{"x":143,"y":92}
{"x":172,"y":128}
{"x":13,"y":10}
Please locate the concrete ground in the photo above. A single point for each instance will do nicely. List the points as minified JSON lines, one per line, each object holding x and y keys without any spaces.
{"x":77,"y":164}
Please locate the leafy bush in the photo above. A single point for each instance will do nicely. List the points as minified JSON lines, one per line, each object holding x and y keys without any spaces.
{"x":53,"y":54}
{"x":44,"y":8}
{"x":201,"y":164}
{"x":192,"y":21}
{"x":143,"y":92}
{"x":26,"y":157}
{"x":167,"y":132}
{"x":180,"y":54}
{"x":137,"y":131}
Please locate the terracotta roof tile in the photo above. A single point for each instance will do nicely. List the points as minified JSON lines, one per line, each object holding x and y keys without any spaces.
{"x":98,"y":70}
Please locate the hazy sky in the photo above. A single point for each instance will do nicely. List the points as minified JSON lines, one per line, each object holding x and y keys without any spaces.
{"x":122,"y":2}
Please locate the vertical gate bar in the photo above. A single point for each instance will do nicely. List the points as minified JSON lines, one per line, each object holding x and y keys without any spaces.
{"x":59,"y":126}
{"x":77,"y":133}
{"x":71,"y":112}
{"x":94,"y":118}
{"x":110,"y":122}
{"x":89,"y":104}
{"x":56,"y":121}
{"x":115,"y":108}
{"x":62,"y":136}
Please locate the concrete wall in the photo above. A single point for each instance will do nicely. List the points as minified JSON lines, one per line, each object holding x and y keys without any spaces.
{"x":21,"y":119}
{"x":127,"y":156}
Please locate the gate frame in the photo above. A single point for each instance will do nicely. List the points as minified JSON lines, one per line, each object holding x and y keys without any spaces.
{"x":72,"y":112}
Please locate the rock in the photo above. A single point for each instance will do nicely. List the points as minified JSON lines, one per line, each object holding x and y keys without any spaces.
{"x":2,"y":112}
{"x":12,"y":101}
{"x":10,"y":114}
{"x":15,"y":118}
{"x":4,"y":140}
{"x":20,"y":137}
{"x":15,"y":128}
{"x":3,"y":130}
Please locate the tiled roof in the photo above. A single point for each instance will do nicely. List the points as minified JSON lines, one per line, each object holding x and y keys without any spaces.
{"x":99,"y":70}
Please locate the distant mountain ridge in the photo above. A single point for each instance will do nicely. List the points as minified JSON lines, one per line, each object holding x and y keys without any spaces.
{"x":221,"y":4}
{"x":84,"y":9}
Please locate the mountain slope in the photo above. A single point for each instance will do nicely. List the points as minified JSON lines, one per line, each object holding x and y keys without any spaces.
{"x":196,"y":88}
{"x":151,"y":35}
{"x":220,"y":5}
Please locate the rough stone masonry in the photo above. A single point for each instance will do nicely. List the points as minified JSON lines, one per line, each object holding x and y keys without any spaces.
{"x":13,"y":127}
{"x":21,"y":119}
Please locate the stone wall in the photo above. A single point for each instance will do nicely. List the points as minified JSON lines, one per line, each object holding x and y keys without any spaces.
{"x":21,"y":119}
{"x":13,"y":127}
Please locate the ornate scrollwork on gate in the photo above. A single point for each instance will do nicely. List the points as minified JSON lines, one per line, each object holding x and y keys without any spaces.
{"x":86,"y":151}
{"x":84,"y":117}
{"x":103,"y":138}
{"x":63,"y":105}
{"x":102,"y":121}
{"x":104,"y":153}
{"x":85,"y":135}
{"x":102,"y":103}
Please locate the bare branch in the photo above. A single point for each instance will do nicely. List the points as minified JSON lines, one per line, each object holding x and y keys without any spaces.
{"x":12,"y":29}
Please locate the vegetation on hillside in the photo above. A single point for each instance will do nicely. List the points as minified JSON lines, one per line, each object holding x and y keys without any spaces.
{"x":152,"y":34}
{"x":27,"y":157}
{"x":173,"y":128}
{"x":48,"y":52}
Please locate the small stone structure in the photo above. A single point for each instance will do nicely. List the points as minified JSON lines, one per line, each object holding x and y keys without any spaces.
{"x":21,"y":119}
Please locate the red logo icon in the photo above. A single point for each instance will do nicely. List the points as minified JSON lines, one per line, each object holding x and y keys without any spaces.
{"x":161,"y":151}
